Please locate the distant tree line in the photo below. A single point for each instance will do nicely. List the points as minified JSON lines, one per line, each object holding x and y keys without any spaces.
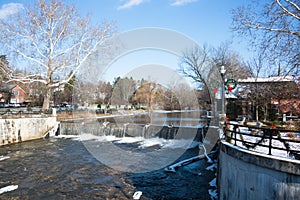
{"x":54,"y":42}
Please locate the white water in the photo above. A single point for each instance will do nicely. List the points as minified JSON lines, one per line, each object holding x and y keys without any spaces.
{"x":142,"y":142}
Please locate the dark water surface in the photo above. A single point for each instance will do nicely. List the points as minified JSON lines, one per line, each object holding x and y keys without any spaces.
{"x":60,"y":168}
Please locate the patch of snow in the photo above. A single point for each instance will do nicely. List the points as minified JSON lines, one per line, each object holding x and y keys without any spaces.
{"x":137,"y":195}
{"x":265,"y":150}
{"x":205,"y":153}
{"x":213,"y":183}
{"x":128,"y":140}
{"x":86,"y":137}
{"x":250,"y":137}
{"x":268,"y":79}
{"x":170,"y":144}
{"x":254,"y":152}
{"x":213,"y":194}
{"x":183,"y":163}
{"x":52,"y":131}
{"x":8,"y":188}
{"x":174,"y":144}
{"x":221,"y":133}
{"x":152,"y":142}
{"x":4,"y":157}
{"x":212,"y":167}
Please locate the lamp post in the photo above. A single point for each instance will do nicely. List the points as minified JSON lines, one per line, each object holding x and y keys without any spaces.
{"x":223,"y":71}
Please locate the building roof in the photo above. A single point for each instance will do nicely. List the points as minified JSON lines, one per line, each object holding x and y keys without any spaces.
{"x":268,"y":79}
{"x":8,"y":88}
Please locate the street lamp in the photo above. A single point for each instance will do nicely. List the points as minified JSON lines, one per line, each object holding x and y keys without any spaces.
{"x":223,"y":71}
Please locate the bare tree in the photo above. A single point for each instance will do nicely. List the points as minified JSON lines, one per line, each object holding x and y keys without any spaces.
{"x":203,"y":65}
{"x":196,"y":64}
{"x":193,"y":64}
{"x":53,"y":41}
{"x":257,"y":92}
{"x":234,"y":64}
{"x":4,"y":68}
{"x":273,"y":27}
{"x":186,"y":96}
{"x":122,"y":91}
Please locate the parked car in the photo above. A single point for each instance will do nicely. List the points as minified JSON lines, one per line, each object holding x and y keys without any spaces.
{"x":242,"y":117}
{"x":14,"y":105}
{"x":4,"y":105}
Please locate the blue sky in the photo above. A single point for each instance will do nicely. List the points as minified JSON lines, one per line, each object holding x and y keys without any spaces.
{"x":205,"y":21}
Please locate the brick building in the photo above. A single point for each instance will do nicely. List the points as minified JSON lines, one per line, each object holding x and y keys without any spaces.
{"x":12,"y":94}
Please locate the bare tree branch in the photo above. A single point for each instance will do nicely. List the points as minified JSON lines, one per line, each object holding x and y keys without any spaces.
{"x":54,"y":40}
{"x":273,"y":27}
{"x":287,"y":11}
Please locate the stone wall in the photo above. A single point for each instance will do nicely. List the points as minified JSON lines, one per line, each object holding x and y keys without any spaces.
{"x":246,"y":174}
{"x":14,"y":130}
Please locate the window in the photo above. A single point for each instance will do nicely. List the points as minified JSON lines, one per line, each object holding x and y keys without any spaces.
{"x":16,"y":92}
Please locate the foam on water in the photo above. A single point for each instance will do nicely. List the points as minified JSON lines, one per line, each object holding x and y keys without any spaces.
{"x":128,"y":140}
{"x":141,"y":141}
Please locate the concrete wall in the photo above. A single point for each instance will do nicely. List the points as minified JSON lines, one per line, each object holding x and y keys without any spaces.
{"x":249,"y":175}
{"x":14,"y":130}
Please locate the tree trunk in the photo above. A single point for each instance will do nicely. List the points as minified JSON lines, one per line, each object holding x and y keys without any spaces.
{"x":266,"y":113}
{"x":47,"y":97}
{"x":256,"y":113}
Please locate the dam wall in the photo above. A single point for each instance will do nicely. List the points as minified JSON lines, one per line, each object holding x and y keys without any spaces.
{"x":15,"y":130}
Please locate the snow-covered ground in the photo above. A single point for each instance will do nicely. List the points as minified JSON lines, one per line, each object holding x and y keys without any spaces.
{"x":275,"y":142}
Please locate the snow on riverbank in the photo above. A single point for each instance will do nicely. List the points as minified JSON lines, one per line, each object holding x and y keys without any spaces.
{"x":4,"y":157}
{"x":213,"y":183}
{"x":8,"y":188}
{"x":276,"y":143}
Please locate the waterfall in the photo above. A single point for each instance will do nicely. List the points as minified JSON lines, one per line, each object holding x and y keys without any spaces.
{"x":145,"y":131}
{"x":2,"y":132}
{"x":160,"y":126}
{"x":125,"y":129}
{"x":170,"y":127}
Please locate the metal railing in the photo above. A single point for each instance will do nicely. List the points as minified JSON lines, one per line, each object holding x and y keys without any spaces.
{"x":271,"y":141}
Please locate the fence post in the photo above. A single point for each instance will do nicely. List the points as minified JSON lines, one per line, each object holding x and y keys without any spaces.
{"x":270,"y":141}
{"x":234,"y":130}
{"x":225,"y":131}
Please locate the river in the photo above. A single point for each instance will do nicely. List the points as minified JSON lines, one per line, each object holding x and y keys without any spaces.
{"x":63,"y":168}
